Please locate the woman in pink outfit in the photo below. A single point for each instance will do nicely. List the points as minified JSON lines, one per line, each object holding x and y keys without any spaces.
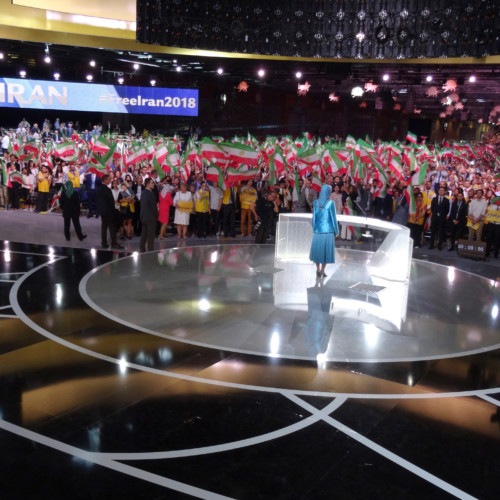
{"x":164,"y":209}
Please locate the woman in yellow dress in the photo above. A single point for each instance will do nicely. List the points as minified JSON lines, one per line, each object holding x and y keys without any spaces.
{"x":43,"y":183}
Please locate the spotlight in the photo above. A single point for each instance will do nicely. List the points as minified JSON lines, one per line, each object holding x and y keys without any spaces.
{"x":47,"y":59}
{"x":153,"y":82}
{"x":357,"y":92}
{"x":135,"y":66}
{"x":360,"y":36}
{"x":120,"y":80}
{"x":220,"y":71}
{"x":1,"y":55}
{"x":298,"y":75}
{"x":56,"y":76}
{"x":22,"y":73}
{"x":174,"y":61}
{"x":428,"y":78}
{"x":89,"y":78}
{"x":472,"y":79}
{"x":178,"y":69}
{"x":261,"y":73}
{"x":92,"y":63}
{"x":385,"y":77}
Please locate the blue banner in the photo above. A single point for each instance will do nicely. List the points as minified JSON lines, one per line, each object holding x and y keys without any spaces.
{"x":41,"y":94}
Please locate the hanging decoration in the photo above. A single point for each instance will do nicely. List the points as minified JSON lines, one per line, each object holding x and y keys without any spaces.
{"x":432,"y":92}
{"x":303,"y":88}
{"x":459,"y":106}
{"x":442,"y":115}
{"x":454,"y":97}
{"x":397,"y":107}
{"x":333,"y":97}
{"x":362,"y":105}
{"x":450,"y":85}
{"x":370,"y":87}
{"x":242,"y":87}
{"x":417,"y":111}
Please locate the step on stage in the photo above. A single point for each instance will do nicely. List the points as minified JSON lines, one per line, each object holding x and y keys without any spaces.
{"x":231,"y":371}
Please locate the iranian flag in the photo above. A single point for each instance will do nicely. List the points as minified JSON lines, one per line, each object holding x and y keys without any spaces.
{"x":241,"y":153}
{"x":395,"y":165}
{"x":18,"y":177}
{"x":316,"y":183}
{"x":64,"y":149}
{"x":3,"y":173}
{"x":342,"y":153}
{"x":96,"y":168}
{"x":495,"y":200}
{"x":101,"y":145}
{"x":136,"y":154}
{"x":31,"y":147}
{"x":349,"y":210}
{"x":410,"y":199}
{"x":237,"y":175}
{"x":278,"y":164}
{"x":418,"y":178}
{"x":310,"y":156}
{"x":173,"y":158}
{"x":350,"y":142}
{"x":214,"y":174}
{"x":158,"y":167}
{"x":411,"y":137}
{"x":150,"y":149}
{"x":161,"y":152}
{"x":55,"y":199}
{"x":212,"y":151}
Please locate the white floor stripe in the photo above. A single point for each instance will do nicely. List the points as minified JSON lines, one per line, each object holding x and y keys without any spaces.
{"x":25,"y":319}
{"x":414,"y":469}
{"x":10,"y":274}
{"x":111,"y":464}
{"x":490,"y":400}
{"x":8,"y":315}
{"x":29,"y":253}
{"x":5,"y":307}
{"x":7,"y":281}
{"x":235,"y":444}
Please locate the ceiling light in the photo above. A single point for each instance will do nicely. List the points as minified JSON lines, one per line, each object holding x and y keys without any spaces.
{"x":261,"y":73}
{"x":22,"y":73}
{"x":360,"y":36}
{"x":220,"y":71}
{"x":357,"y":92}
{"x":472,"y":79}
{"x":178,"y":68}
{"x":1,"y":55}
{"x":135,"y":66}
{"x":47,"y":59}
{"x":298,"y":75}
{"x":175,"y":61}
{"x":92,"y":63}
{"x":56,"y":76}
{"x":385,"y":77}
{"x":152,"y":82}
{"x":89,"y":78}
{"x":428,"y":78}
{"x":121,"y":80}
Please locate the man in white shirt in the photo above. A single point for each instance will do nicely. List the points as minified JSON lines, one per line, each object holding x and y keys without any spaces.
{"x":477,"y":212}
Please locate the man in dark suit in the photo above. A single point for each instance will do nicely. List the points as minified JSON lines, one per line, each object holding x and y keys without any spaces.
{"x":458,"y":218}
{"x":149,"y":216}
{"x":440,"y":206}
{"x":92,"y":183}
{"x":106,"y":207}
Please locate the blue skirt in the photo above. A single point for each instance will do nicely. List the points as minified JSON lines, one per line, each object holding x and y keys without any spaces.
{"x":323,"y":248}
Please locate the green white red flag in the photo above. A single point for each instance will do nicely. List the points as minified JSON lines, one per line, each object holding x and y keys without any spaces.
{"x":410,"y":136}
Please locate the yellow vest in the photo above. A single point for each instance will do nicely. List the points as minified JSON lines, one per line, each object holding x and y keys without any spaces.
{"x":74,"y":178}
{"x":493,"y":215}
{"x":43,"y":184}
{"x":227,"y":196}
{"x":201,"y":204}
{"x":248,"y":196}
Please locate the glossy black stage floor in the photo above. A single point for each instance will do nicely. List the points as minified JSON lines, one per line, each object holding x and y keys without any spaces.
{"x":214,"y":372}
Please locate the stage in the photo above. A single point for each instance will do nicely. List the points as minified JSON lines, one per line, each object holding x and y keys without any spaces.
{"x":225,"y":370}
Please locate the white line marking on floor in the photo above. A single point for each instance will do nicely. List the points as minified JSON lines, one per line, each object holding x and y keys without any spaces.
{"x":25,"y":319}
{"x":332,"y":406}
{"x":96,"y":458}
{"x":490,"y":400}
{"x":414,"y":469}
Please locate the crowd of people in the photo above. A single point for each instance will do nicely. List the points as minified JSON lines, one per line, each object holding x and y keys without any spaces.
{"x":457,"y":197}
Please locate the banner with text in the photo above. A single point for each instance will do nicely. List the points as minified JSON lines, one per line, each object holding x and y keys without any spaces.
{"x":41,"y":94}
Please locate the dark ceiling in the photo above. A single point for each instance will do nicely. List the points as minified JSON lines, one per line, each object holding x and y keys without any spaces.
{"x":407,"y":85}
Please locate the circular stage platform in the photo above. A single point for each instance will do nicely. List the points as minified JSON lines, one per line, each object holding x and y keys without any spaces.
{"x":239,"y":298}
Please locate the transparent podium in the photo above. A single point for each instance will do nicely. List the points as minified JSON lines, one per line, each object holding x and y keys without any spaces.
{"x":368,"y":282}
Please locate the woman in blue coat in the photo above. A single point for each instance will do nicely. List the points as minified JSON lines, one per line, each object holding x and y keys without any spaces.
{"x":325,"y":228}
